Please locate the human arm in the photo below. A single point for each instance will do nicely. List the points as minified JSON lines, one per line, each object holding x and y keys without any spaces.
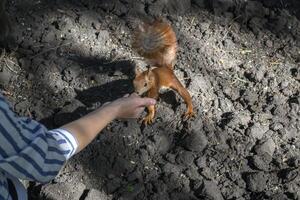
{"x":29,"y":151}
{"x":87,"y":128}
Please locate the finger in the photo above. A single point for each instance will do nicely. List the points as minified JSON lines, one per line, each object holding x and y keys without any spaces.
{"x":106,"y":103}
{"x":134,"y":95}
{"x":147,"y":102}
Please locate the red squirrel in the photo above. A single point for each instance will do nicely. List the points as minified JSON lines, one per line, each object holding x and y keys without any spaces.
{"x":156,"y":42}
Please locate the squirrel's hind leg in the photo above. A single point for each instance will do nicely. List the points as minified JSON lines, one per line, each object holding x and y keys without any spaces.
{"x":183,"y":92}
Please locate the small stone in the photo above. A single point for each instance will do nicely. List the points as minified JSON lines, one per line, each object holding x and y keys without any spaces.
{"x":226,"y":105}
{"x":113,"y":185}
{"x":162,"y":143}
{"x":170,"y":157}
{"x":192,"y":173}
{"x":185,"y":158}
{"x":294,"y":162}
{"x":260,"y":72}
{"x":232,"y":93}
{"x":151,"y":149}
{"x":266,"y":147}
{"x":289,"y":133}
{"x":289,"y":174}
{"x":118,"y":73}
{"x":261,"y":162}
{"x":257,"y":131}
{"x":110,"y":176}
{"x":61,"y":190}
{"x":279,"y":197}
{"x":171,"y":168}
{"x":144,"y":156}
{"x":5,"y":76}
{"x":284,"y":84}
{"x":250,"y":97}
{"x":256,"y":182}
{"x":96,"y":194}
{"x":196,"y":141}
{"x":136,"y":175}
{"x":201,"y":162}
{"x":269,"y":43}
{"x":276,"y":126}
{"x":210,"y":190}
{"x":244,"y":117}
{"x":207,"y":173}
{"x":122,"y":166}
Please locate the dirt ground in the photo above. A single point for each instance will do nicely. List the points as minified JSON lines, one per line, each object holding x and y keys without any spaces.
{"x":239,"y":59}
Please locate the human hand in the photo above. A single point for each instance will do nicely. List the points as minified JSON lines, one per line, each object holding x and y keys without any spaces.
{"x":130,"y":106}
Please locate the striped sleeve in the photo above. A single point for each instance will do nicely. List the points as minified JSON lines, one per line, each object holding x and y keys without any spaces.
{"x":28,"y":150}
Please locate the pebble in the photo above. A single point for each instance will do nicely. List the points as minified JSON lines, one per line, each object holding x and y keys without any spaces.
{"x":269,"y":43}
{"x":185,"y":158}
{"x":276,"y":126}
{"x":162,"y":143}
{"x":210,"y":190}
{"x":96,"y":194}
{"x":196,"y":142}
{"x":257,"y":131}
{"x":256,"y":182}
{"x":260,"y":162}
{"x":5,"y":76}
{"x":171,"y":168}
{"x":266,"y":147}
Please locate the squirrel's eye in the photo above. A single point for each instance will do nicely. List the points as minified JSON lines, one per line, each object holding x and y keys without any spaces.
{"x":145,"y":85}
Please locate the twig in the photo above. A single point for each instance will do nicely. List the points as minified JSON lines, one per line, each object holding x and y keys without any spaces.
{"x":14,"y":64}
{"x":6,"y":93}
{"x":186,"y":78}
{"x":241,"y":80}
{"x":245,"y":51}
{"x":50,"y":49}
{"x":229,"y":27}
{"x":123,"y":59}
{"x":275,"y":63}
{"x":192,"y":23}
{"x":8,"y":67}
{"x":2,"y":54}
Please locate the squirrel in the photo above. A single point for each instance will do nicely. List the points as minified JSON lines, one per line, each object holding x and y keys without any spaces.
{"x":157,"y":43}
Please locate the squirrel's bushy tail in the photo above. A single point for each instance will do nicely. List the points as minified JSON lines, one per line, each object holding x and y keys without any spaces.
{"x":157,"y":43}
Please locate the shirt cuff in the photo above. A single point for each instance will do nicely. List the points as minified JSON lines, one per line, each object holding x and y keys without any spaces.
{"x":71,"y":142}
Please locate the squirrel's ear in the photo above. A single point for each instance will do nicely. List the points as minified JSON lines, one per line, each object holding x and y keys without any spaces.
{"x":137,"y":71}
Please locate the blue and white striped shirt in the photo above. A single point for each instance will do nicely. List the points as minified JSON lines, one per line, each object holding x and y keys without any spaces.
{"x":28,"y":150}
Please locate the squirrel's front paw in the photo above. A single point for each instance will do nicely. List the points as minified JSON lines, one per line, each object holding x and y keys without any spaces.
{"x":147,"y":120}
{"x":189,"y":114}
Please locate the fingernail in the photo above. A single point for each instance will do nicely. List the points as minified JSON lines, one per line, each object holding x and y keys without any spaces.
{"x":153,"y":101}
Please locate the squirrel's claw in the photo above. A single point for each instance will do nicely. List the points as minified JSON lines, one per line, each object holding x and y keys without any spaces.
{"x":147,"y":120}
{"x":189,"y":115}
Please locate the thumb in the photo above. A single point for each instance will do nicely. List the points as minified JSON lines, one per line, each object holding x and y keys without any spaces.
{"x":147,"y":101}
{"x":106,"y":103}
